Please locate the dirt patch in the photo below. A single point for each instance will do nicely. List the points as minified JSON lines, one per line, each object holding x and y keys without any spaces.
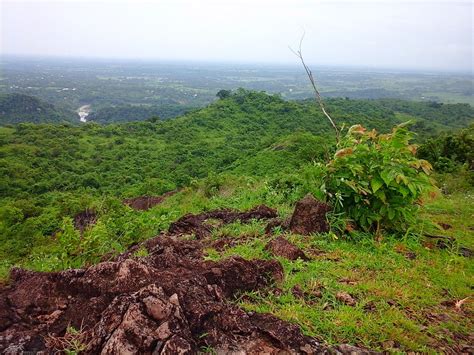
{"x":308,"y":297}
{"x":346,"y":298}
{"x":281,"y":247}
{"x":144,"y":203}
{"x":309,"y":216}
{"x":171,"y":301}
{"x":85,"y":219}
{"x":275,"y":223}
{"x":196,"y":223}
{"x":445,"y":226}
{"x":168,"y":302}
{"x":445,"y":242}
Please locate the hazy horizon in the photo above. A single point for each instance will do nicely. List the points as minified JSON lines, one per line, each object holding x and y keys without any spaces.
{"x":296,"y":65}
{"x":387,"y":35}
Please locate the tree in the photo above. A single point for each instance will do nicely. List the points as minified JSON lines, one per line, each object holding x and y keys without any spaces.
{"x":154,"y":119}
{"x":222,"y":94}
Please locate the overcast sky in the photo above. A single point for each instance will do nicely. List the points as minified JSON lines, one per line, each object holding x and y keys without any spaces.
{"x":384,"y":34}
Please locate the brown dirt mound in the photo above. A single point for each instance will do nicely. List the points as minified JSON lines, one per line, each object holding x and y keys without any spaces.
{"x":281,"y":247}
{"x":309,"y":216}
{"x":196,"y":223}
{"x":168,"y":302}
{"x":143,"y":203}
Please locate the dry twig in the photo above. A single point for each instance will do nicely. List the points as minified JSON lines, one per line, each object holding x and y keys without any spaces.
{"x":299,"y":54}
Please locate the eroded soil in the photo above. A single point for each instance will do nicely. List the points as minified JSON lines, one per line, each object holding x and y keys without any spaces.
{"x":170,"y":301}
{"x":144,"y":203}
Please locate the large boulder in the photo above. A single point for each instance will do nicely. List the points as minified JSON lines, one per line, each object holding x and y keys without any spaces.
{"x":309,"y":216}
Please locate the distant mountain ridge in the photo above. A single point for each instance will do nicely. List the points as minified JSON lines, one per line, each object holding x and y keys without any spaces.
{"x":20,"y":108}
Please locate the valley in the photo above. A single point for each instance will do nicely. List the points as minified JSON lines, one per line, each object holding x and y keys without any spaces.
{"x":236,"y":177}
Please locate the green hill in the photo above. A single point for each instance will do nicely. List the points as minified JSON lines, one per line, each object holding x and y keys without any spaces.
{"x":18,"y":108}
{"x":49,"y":170}
{"x":62,"y":206}
{"x":227,"y":135}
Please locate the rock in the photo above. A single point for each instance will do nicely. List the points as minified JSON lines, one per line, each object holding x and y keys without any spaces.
{"x":170,"y":301}
{"x":177,"y":346}
{"x":5,"y":320}
{"x":156,"y":308}
{"x":298,"y":292}
{"x":161,"y":304}
{"x":281,"y":247}
{"x":445,"y":226}
{"x":309,"y":217}
{"x":346,"y":298}
{"x":349,"y":349}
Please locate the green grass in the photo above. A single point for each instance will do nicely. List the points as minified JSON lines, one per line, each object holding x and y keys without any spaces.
{"x":456,"y":210}
{"x":399,"y":300}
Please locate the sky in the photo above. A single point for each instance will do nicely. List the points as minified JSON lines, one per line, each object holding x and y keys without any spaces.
{"x":433,"y":35}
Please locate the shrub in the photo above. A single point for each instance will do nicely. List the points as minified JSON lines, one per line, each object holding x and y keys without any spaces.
{"x":448,"y":152}
{"x":377,"y":180}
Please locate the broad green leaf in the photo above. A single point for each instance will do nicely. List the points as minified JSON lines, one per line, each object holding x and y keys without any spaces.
{"x":412,"y":188}
{"x":376,"y":183}
{"x":381,"y":195}
{"x":387,"y":176}
{"x":391,"y":214}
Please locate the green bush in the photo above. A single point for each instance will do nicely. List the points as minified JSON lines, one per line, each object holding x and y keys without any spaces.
{"x":449,"y":152}
{"x":376,"y":180}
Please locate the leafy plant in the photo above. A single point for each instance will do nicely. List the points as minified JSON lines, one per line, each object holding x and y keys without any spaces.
{"x":72,"y":343}
{"x":141,"y":252}
{"x":377,"y":180}
{"x":447,"y":152}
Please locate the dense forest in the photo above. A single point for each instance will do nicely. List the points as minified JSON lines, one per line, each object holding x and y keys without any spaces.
{"x":137,"y":113}
{"x":17,"y":108}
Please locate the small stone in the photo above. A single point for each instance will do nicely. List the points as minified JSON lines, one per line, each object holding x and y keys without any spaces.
{"x":345,"y":298}
{"x":176,"y":345}
{"x":163,"y":332}
{"x":156,"y":308}
{"x":174,"y":299}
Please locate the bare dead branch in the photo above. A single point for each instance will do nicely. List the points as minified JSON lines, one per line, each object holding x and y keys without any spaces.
{"x":318,"y":98}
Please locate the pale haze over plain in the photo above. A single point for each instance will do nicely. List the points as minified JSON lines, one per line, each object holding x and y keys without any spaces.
{"x":380,"y":34}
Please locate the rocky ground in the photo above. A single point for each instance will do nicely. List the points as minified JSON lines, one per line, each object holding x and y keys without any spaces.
{"x":161,"y":297}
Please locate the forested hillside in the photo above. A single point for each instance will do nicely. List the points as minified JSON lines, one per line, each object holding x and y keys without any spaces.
{"x":52,"y":171}
{"x":18,"y":108}
{"x":123,"y":159}
{"x":137,"y":113}
{"x":72,"y":195}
